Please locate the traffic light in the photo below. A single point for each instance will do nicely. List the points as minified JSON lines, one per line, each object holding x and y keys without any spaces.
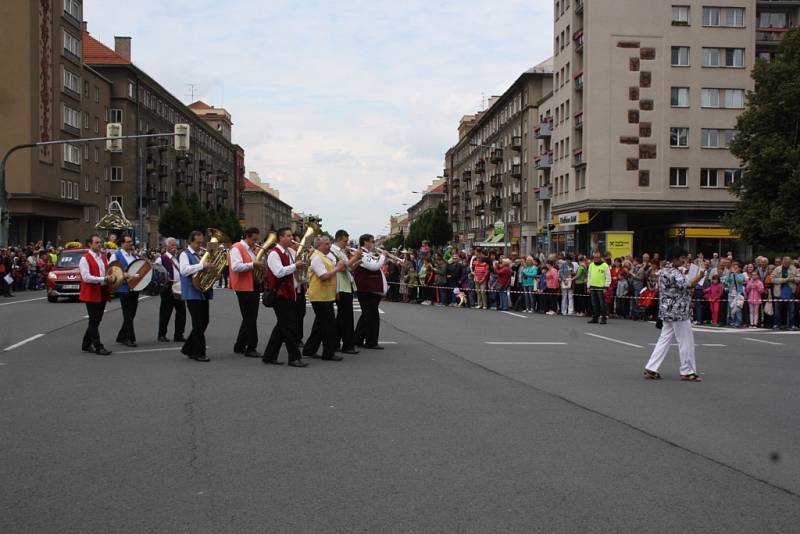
{"x":182,"y":137}
{"x":114,"y":129}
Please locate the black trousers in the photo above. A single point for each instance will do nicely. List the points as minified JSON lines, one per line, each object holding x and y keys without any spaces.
{"x":195,"y":344}
{"x":129,"y":302}
{"x":91,"y":339}
{"x":344,"y":320}
{"x":598,"y":302}
{"x":284,"y":332}
{"x":323,"y":331}
{"x":247,"y":339}
{"x":580,"y":298}
{"x":170,"y":302}
{"x":300,"y":314}
{"x":369,"y":324}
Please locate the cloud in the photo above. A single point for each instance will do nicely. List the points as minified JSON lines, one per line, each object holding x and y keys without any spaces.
{"x":346,"y":106}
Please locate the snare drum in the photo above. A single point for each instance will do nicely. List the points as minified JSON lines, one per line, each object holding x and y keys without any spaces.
{"x":145,"y":272}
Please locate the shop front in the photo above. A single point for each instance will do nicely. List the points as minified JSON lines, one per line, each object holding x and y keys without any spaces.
{"x":569,"y":232}
{"x":708,"y":240}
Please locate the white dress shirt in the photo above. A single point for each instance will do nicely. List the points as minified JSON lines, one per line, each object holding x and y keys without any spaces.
{"x":130,"y":258}
{"x":370,"y":263}
{"x":279,"y":269}
{"x":87,"y":277}
{"x":186,"y":268}
{"x":238,"y":265}
{"x":318,"y":266}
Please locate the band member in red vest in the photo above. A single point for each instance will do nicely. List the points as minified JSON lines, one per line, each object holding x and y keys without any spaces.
{"x":281,"y":266}
{"x":242,"y":264}
{"x":370,"y":289}
{"x":94,"y":293}
{"x":169,"y":299}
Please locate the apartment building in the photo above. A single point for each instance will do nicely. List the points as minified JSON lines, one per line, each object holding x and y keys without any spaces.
{"x":262,"y":207}
{"x":432,"y":196}
{"x":56,"y":193}
{"x":645,"y":99}
{"x":146,"y":174}
{"x":491,"y":170}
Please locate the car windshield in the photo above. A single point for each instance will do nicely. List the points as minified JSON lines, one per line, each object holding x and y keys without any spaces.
{"x":69,"y":259}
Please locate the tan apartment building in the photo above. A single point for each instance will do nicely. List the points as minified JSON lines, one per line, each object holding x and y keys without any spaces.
{"x":146,"y":174}
{"x":432,"y":196}
{"x":217,"y":118}
{"x":56,"y":193}
{"x":645,"y":99}
{"x":262,"y":207}
{"x":491,"y":170}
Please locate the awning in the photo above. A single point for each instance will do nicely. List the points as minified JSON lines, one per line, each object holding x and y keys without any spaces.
{"x":703,"y":233}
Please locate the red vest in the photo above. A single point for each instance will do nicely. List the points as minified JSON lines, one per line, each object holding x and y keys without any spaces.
{"x":93,"y":292}
{"x":284,"y":287}
{"x":368,"y":281}
{"x":242,"y":281}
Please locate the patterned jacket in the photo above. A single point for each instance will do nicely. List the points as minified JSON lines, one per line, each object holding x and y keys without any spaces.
{"x":674,"y":291}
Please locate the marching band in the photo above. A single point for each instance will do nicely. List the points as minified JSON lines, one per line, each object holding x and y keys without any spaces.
{"x":328,"y":274}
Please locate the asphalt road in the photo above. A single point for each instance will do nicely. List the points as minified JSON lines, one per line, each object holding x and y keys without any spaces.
{"x":456,"y":427}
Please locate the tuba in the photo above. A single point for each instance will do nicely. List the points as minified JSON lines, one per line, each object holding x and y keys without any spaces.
{"x":305,"y":249}
{"x":218,"y":256}
{"x":259,"y":276}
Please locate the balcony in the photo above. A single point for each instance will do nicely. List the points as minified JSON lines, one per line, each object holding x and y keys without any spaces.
{"x":578,"y":159}
{"x":163,"y":171}
{"x":466,"y":176}
{"x":544,"y":130}
{"x":496,"y":156}
{"x":543,"y":193}
{"x":480,"y":209}
{"x":516,"y":143}
{"x":496,"y":203}
{"x":770,"y":36}
{"x":579,"y":81}
{"x":480,"y":188}
{"x":480,"y":167}
{"x":579,"y":6}
{"x":578,"y":120}
{"x":516,"y":171}
{"x":496,"y":180}
{"x":456,"y":182}
{"x":150,"y":165}
{"x":578,"y":38}
{"x":467,"y":195}
{"x":163,"y":197}
{"x":516,"y":199}
{"x":545,"y":161}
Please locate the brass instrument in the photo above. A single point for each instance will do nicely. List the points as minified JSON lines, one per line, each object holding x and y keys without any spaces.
{"x":389,"y":255}
{"x":259,"y":275}
{"x":218,"y":256}
{"x":377,"y":252}
{"x":305,"y":250}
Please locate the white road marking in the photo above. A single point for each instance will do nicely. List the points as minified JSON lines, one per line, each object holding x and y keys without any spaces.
{"x":15,"y":345}
{"x":614,"y":340}
{"x":21,"y":301}
{"x":762,"y":341}
{"x":160,"y":349}
{"x":515,"y":314}
{"x":525,"y":342}
{"x":696,"y":345}
{"x":714,"y":345}
{"x":387,"y":342}
{"x":725,"y":330}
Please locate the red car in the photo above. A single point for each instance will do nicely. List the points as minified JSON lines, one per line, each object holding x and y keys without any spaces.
{"x":64,"y":280}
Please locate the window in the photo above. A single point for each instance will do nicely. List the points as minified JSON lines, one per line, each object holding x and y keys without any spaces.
{"x":116,"y":174}
{"x":131,"y":90}
{"x":716,"y":138}
{"x":97,"y":185}
{"x":708,"y":178}
{"x":116,"y":115}
{"x":96,"y":155}
{"x":772,"y":20}
{"x":680,"y":97}
{"x":73,"y":9}
{"x":72,"y":154}
{"x":72,"y":117}
{"x":63,"y":184}
{"x":86,"y":89}
{"x":86,"y":152}
{"x":117,"y":198}
{"x":86,"y":183}
{"x":711,"y":16}
{"x":75,"y":189}
{"x":72,"y":44}
{"x":86,"y":215}
{"x":723,"y":57}
{"x":722,"y":98}
{"x":678,"y":177}
{"x":680,"y":15}
{"x":680,"y":56}
{"x":709,"y":98}
{"x":734,"y":17}
{"x":97,"y":95}
{"x":734,"y":98}
{"x":731,"y":175}
{"x":97,"y":125}
{"x":72,"y":81}
{"x":679,"y":137}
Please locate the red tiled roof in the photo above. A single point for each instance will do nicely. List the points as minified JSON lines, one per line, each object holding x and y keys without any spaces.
{"x":96,"y":53}
{"x":200,"y":105}
{"x":404,"y":221}
{"x":439,"y":188}
{"x":250,"y":186}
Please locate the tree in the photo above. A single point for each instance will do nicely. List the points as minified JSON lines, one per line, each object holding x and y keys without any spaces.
{"x":396,"y":241}
{"x":768,"y":143}
{"x":431,"y":226}
{"x":176,"y":219}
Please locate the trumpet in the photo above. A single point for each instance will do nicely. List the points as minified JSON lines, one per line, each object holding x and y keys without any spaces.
{"x":377,"y":252}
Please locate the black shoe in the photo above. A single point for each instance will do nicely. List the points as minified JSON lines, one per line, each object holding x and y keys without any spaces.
{"x":349,"y":351}
{"x":315,"y":356}
{"x":603,"y":320}
{"x":238,"y":350}
{"x":102,"y":351}
{"x":298,"y":363}
{"x":129,"y":343}
{"x":332,"y":358}
{"x":300,"y":344}
{"x":179,"y":339}
{"x":88,"y":349}
{"x":593,"y":321}
{"x":163,"y":339}
{"x":252,"y":354}
{"x":202,"y":358}
{"x":271,"y":362}
{"x":373,"y":347}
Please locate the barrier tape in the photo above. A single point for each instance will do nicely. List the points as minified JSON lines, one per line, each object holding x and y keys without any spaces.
{"x":587,"y":295}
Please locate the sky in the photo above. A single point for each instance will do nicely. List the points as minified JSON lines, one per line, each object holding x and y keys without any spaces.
{"x":344,"y":106}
